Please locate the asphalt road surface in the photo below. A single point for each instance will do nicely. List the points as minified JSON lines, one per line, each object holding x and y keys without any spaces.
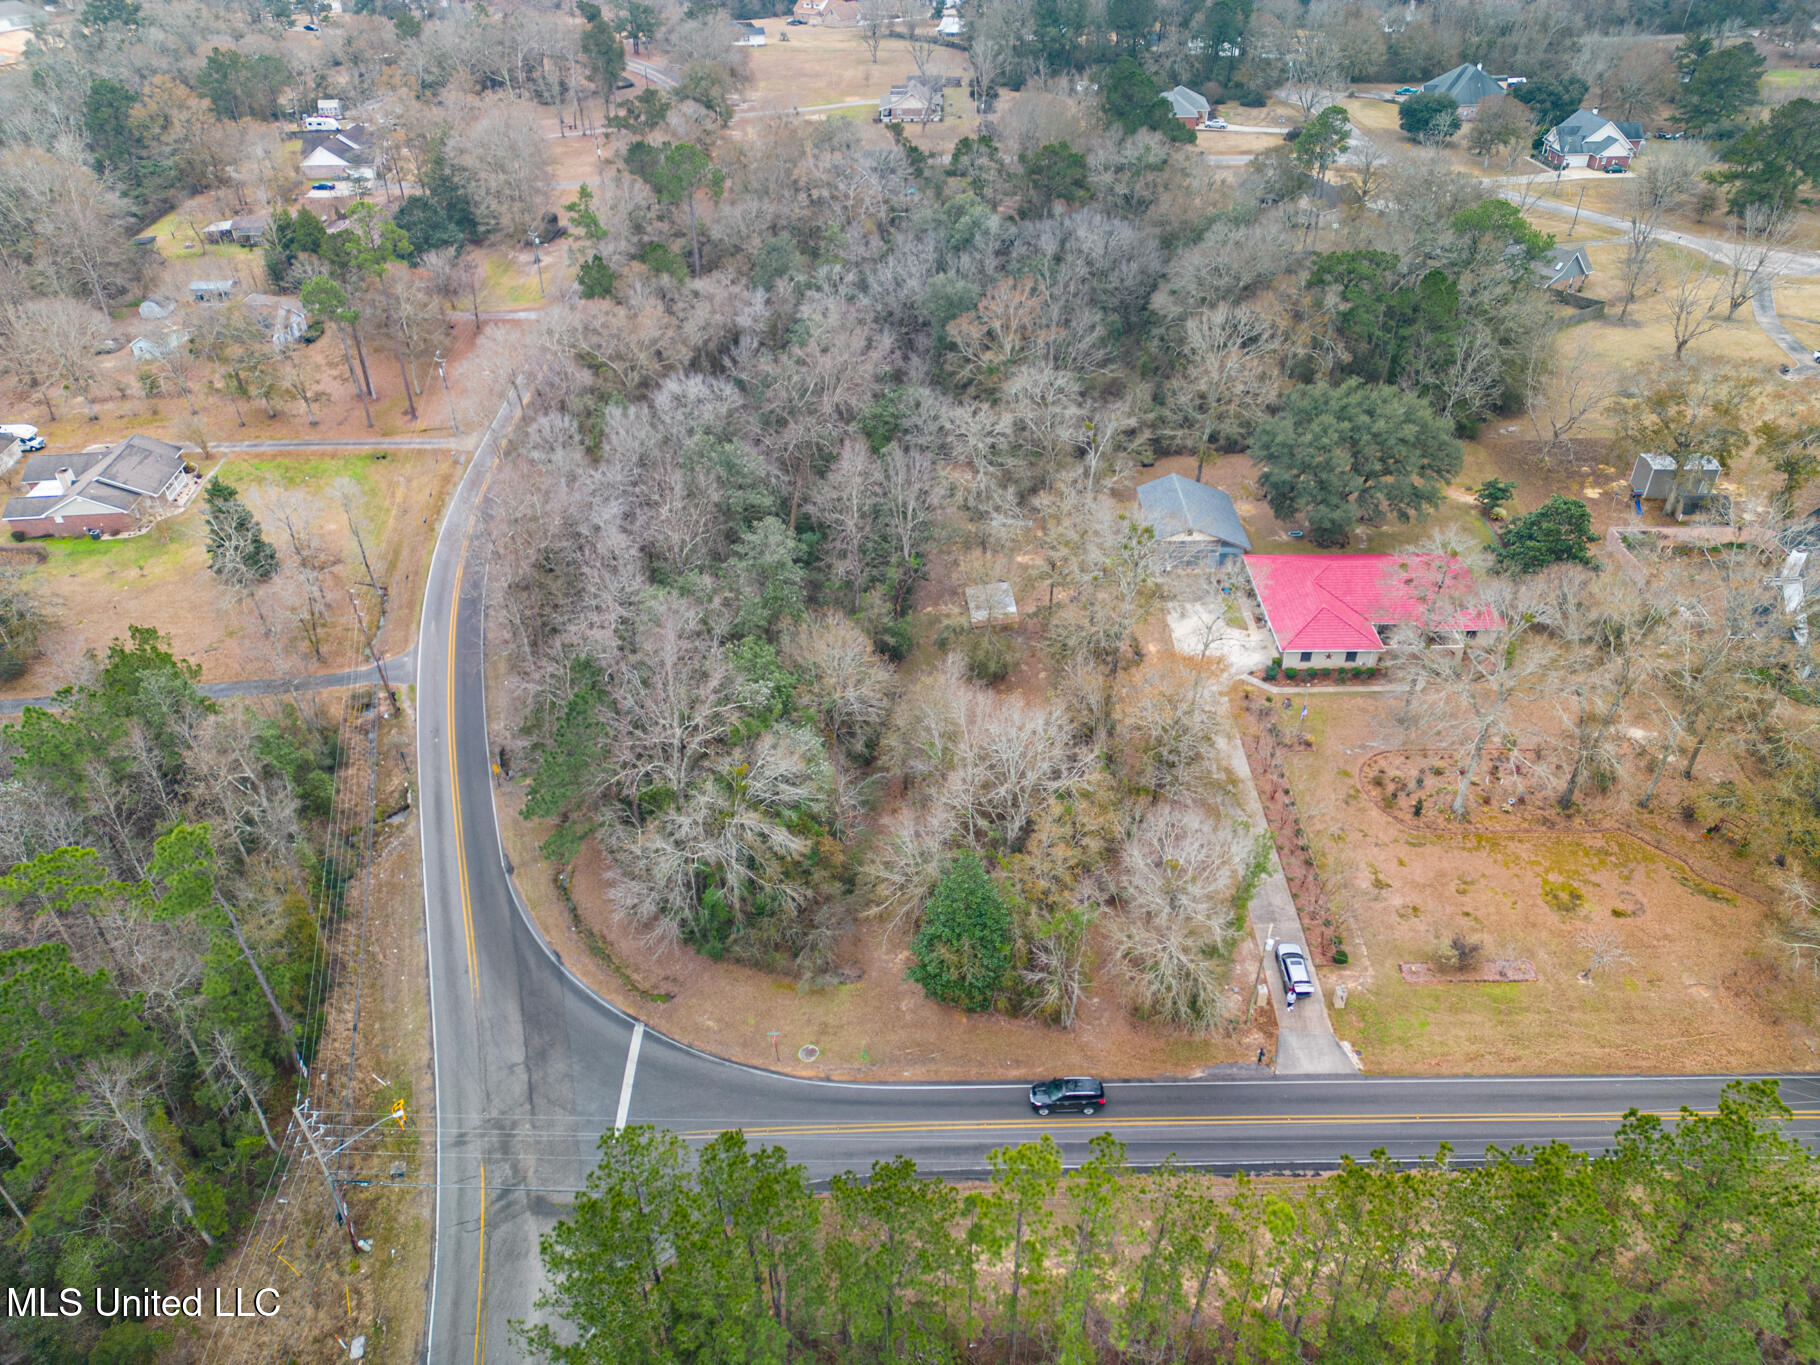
{"x":531,"y":1067}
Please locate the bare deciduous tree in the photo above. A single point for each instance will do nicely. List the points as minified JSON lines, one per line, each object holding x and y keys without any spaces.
{"x":1176,"y":925}
{"x":845,"y":683}
{"x":118,"y":1094}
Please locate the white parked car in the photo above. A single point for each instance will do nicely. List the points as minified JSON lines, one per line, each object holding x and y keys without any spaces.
{"x":1213,"y":125}
{"x":1297,"y":981}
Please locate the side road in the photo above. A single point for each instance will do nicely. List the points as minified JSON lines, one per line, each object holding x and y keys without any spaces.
{"x":400,"y":672}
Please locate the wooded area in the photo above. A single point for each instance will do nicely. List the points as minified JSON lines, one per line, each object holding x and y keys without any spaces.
{"x":161,"y":976}
{"x":1688,"y":1240}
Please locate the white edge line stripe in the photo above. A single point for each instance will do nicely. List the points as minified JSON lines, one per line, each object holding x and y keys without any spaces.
{"x":625,"y":1085}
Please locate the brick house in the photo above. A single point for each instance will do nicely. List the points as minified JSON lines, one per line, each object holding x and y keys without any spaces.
{"x":97,"y":492}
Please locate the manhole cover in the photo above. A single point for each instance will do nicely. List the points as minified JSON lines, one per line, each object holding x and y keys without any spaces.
{"x":809,"y":1052}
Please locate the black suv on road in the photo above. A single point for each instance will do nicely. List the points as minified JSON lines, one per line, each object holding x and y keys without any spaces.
{"x":1075,"y":1092}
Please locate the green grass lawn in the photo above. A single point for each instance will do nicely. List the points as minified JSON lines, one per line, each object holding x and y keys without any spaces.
{"x":317,"y":474}
{"x":159,"y":550}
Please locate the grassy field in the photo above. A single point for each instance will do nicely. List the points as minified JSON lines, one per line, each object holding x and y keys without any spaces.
{"x":828,"y":65}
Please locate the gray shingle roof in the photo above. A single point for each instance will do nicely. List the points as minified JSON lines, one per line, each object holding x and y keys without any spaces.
{"x":1176,"y":506}
{"x":142,"y":465}
{"x":1186,"y":103}
{"x":1578,"y":133}
{"x":1466,"y":83}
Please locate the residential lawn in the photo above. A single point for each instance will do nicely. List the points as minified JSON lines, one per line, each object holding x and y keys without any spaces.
{"x":510,"y":280}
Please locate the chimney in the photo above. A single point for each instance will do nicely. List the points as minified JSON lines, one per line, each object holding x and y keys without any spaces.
{"x":1479,"y":65}
{"x":67,"y":477}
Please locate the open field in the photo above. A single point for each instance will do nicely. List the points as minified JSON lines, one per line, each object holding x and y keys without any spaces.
{"x":1688,"y":986}
{"x":1646,"y":338}
{"x":827,"y":65}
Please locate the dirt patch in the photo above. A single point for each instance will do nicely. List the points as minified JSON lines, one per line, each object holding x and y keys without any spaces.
{"x":1426,"y":974}
{"x":1635,"y":969}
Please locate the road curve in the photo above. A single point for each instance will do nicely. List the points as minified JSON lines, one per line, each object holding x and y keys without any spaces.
{"x":531,"y":1067}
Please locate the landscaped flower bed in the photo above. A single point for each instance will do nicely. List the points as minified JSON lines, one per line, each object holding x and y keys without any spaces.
{"x":1311,"y":675}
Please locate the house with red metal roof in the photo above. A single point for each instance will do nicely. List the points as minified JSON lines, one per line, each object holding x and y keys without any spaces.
{"x":1326,"y":610}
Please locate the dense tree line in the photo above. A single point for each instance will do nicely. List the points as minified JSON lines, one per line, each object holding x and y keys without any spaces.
{"x":1686,"y":1240}
{"x":158,"y":865}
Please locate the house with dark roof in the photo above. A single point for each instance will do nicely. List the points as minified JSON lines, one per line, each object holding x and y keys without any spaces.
{"x":1587,"y":138}
{"x":1325,"y":610}
{"x":97,"y":492}
{"x":1468,"y":84}
{"x":1561,"y":267}
{"x":343,"y":154}
{"x":1195,"y":524}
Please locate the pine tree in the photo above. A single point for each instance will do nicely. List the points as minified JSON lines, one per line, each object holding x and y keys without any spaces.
{"x":237,"y":545}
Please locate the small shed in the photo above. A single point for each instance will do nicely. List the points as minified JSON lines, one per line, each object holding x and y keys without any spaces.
{"x":329,"y":108}
{"x":1652,"y":476}
{"x":217,"y":233}
{"x":991,"y":604}
{"x":1694,"y":483}
{"x":1196,"y":525}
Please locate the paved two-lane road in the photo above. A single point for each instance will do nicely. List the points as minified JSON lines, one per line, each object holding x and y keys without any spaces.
{"x":531,"y":1067}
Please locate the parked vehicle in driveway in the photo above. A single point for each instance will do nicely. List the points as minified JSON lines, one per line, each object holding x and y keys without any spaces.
{"x":1213,"y":125}
{"x":1070,"y":1092}
{"x":1408,"y":90}
{"x":1293,"y":963}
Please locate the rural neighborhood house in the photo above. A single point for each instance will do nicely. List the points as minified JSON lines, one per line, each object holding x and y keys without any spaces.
{"x":97,"y":492}
{"x":1339,"y":609}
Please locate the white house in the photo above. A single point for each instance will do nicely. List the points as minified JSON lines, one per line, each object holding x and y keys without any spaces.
{"x":283,"y":321}
{"x":159,"y":342}
{"x":328,"y":108}
{"x":15,"y":15}
{"x":951,"y":25}
{"x":747,"y":35}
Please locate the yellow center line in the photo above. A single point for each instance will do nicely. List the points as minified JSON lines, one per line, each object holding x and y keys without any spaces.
{"x":1099,"y":1121}
{"x":461,"y":859}
{"x":480,"y":1279}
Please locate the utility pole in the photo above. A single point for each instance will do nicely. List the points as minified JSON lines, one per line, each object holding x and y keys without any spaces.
{"x":456,"y":426}
{"x":372,"y":650}
{"x":1258,"y":980}
{"x":537,"y":241}
{"x":342,"y":1216}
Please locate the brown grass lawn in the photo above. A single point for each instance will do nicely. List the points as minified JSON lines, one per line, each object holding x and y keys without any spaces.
{"x":1606,"y":194}
{"x":1798,"y":304}
{"x":829,"y":65}
{"x":1697,"y":993}
{"x":95,"y":590}
{"x":1645,"y":339}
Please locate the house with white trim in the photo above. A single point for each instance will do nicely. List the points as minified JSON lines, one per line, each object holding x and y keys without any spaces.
{"x":1589,"y":139}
